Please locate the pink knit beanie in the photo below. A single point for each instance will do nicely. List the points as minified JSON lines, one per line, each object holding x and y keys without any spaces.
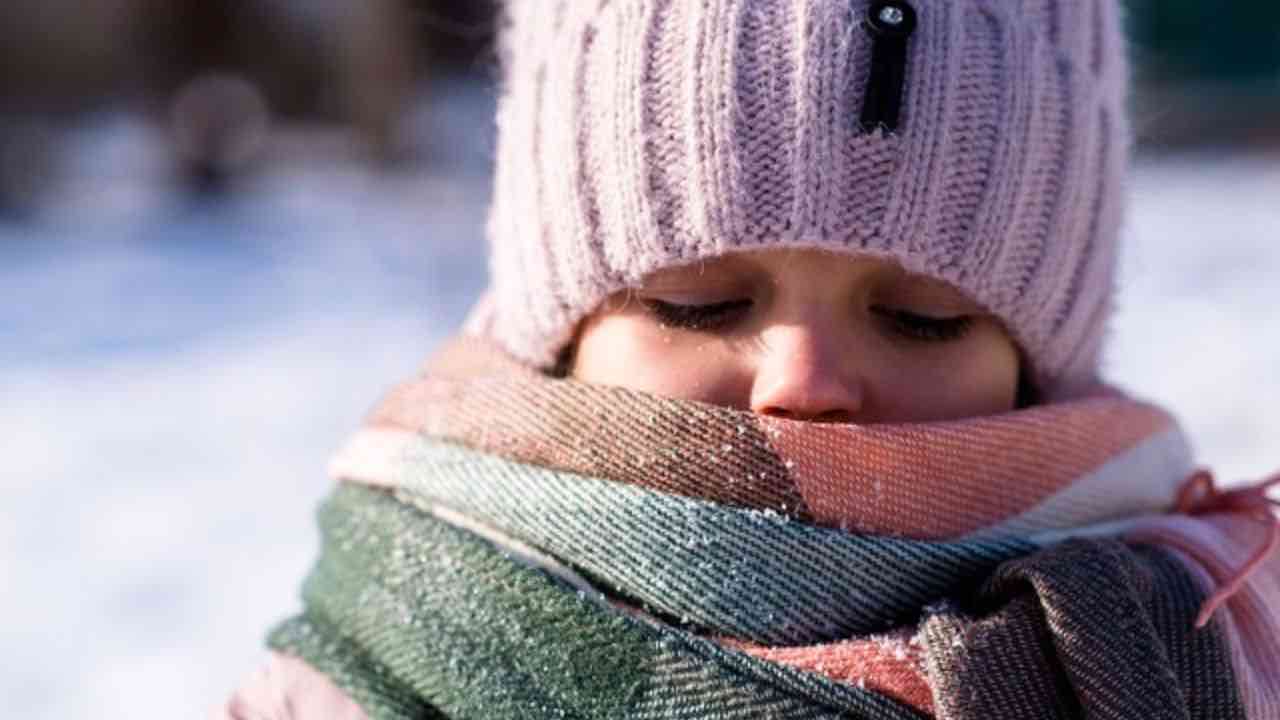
{"x":980,"y":142}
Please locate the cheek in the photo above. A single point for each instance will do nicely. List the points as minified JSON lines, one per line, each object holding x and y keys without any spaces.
{"x":630,"y":352}
{"x":979,"y":379}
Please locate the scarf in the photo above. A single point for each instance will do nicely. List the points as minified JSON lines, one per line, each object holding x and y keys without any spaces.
{"x":506,"y":545}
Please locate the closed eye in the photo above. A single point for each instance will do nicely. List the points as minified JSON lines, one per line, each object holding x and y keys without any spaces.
{"x":914,"y":326}
{"x":701,"y":318}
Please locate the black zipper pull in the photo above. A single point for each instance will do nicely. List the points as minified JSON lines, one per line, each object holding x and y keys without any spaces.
{"x":890,"y":23}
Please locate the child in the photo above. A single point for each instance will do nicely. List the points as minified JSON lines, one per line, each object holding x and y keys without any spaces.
{"x":784,"y":401}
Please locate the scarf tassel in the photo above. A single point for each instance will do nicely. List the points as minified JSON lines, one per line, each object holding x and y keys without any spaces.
{"x":1199,"y":495}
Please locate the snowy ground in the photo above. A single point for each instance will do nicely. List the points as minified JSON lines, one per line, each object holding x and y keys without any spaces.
{"x":173,"y":378}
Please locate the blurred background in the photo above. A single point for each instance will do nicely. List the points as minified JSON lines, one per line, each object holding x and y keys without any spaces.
{"x":226,"y":226}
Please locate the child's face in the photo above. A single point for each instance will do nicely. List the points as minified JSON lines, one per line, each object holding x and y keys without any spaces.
{"x":803,"y":334}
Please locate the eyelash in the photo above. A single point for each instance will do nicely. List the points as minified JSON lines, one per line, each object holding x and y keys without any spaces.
{"x":718,"y":316}
{"x":700,"y":318}
{"x":923,"y":328}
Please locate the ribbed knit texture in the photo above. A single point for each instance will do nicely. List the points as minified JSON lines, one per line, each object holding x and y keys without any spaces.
{"x":639,"y":134}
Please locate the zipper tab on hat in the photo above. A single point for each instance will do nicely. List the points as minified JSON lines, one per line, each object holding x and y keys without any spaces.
{"x":890,"y":23}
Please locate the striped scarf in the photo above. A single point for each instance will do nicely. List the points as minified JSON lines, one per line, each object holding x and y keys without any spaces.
{"x":507,"y":545}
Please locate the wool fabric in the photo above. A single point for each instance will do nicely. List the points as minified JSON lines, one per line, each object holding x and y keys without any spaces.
{"x":635,"y":135}
{"x":489,"y":553}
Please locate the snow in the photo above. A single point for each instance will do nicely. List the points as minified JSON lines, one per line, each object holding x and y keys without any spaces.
{"x":173,"y":378}
{"x":1198,"y":324}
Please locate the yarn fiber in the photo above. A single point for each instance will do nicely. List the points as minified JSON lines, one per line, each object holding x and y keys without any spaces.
{"x":635,"y":135}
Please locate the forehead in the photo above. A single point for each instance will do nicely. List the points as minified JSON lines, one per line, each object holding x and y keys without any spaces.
{"x":788,"y":265}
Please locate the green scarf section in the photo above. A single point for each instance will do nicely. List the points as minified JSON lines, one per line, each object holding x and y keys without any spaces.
{"x":415,"y":618}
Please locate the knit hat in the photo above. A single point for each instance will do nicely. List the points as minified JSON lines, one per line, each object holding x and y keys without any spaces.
{"x":980,"y":142}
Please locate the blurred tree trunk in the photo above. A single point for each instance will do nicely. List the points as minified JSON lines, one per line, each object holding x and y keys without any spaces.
{"x":376,"y":73}
{"x":62,"y":55}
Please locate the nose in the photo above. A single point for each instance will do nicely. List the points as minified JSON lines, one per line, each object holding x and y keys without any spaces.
{"x":802,"y":375}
